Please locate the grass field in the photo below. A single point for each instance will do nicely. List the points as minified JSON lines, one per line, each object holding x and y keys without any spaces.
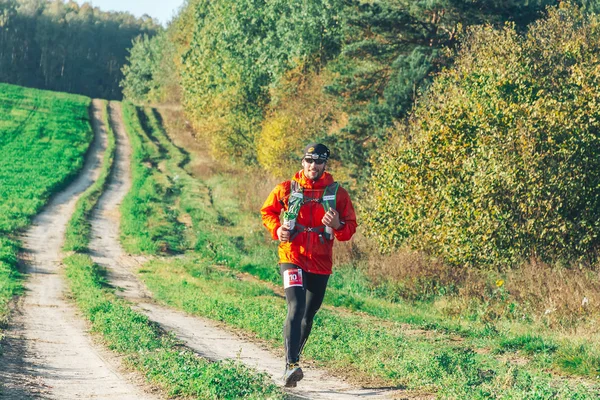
{"x":43,"y":139}
{"x":229,"y":274}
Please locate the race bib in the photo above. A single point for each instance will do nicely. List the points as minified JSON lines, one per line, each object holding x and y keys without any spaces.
{"x":292,"y":277}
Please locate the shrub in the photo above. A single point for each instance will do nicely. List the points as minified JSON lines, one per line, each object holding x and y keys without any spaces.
{"x":501,"y":159}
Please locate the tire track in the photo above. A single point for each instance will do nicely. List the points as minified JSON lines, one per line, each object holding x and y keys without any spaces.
{"x":48,"y":353}
{"x":203,"y":336}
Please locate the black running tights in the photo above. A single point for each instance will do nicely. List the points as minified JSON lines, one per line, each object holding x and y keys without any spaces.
{"x":303,"y":303}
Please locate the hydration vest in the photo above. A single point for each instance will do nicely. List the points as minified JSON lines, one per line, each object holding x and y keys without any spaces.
{"x":297,"y":200}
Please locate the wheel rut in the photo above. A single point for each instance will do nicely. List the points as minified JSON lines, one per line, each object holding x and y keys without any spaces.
{"x":203,"y":336}
{"x":47,"y":352}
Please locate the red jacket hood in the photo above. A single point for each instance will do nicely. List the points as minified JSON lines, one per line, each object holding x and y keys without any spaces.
{"x":325,"y":180}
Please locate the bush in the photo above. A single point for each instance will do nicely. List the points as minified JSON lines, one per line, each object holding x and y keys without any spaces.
{"x":501,"y":159}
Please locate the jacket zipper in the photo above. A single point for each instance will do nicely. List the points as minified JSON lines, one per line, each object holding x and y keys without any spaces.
{"x":308,"y":234}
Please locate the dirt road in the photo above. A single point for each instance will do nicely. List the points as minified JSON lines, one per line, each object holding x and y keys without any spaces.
{"x":203,"y":336}
{"x":48,"y":352}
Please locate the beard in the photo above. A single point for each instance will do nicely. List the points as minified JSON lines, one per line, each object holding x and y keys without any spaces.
{"x":314,"y":174}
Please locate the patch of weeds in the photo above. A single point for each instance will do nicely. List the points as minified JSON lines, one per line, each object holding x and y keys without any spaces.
{"x":579,"y":359}
{"x":528,"y":343}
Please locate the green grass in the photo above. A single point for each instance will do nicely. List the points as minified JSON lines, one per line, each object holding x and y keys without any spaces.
{"x":149,"y":219}
{"x":160,"y":357}
{"x":528,"y":343}
{"x":365,"y":347}
{"x":241,"y":246}
{"x":43,"y":139}
{"x":362,"y":330}
{"x":10,"y":278}
{"x":43,"y":136}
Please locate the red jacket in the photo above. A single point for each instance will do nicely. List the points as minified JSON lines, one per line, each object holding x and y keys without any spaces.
{"x":307,"y":250}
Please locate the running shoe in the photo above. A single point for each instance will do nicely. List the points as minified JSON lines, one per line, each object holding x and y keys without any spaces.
{"x":293,"y":374}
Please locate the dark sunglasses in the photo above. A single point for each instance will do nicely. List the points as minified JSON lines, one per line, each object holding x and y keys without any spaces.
{"x":318,"y":162}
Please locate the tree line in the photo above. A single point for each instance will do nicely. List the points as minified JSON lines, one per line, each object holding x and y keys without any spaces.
{"x":62,"y":46}
{"x":240,"y":62}
{"x":372,"y":80}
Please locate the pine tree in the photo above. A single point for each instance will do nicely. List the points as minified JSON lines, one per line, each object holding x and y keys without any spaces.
{"x":392,"y":48}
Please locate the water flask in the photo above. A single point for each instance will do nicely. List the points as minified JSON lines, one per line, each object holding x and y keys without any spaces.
{"x":290,"y":224}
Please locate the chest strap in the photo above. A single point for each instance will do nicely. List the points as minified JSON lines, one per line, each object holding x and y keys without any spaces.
{"x":319,"y":230}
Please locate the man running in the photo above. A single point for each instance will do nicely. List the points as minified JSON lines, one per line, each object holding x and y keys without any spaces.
{"x":316,"y":210}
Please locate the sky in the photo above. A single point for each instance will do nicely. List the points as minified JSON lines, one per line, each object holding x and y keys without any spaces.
{"x":162,"y":10}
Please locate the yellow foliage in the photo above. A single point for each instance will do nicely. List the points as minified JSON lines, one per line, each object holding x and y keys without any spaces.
{"x":277,"y":145}
{"x":301,"y":113}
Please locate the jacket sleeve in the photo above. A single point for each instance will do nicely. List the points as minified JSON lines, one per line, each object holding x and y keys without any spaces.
{"x":271,"y":209}
{"x":347,"y":216}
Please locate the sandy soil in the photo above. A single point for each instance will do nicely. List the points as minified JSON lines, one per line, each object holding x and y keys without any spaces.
{"x":48,"y":352}
{"x":203,"y":336}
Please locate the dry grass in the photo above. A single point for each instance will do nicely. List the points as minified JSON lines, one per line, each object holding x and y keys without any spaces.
{"x":253,"y":188}
{"x":252,"y":185}
{"x":556,"y":294}
{"x":413,"y":274}
{"x":555,"y":297}
{"x":182,"y":134}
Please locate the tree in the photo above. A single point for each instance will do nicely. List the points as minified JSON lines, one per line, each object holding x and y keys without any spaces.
{"x":392,"y":48}
{"x":501,"y":159}
{"x":67,"y":47}
{"x":238,"y":50}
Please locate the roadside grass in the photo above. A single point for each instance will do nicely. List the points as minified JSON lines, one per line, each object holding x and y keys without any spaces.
{"x":365,"y":335}
{"x":43,"y":139}
{"x":149,"y":220}
{"x":527,"y":343}
{"x":368,"y":349}
{"x":240,"y":244}
{"x":159,"y":356}
{"x":10,"y":278}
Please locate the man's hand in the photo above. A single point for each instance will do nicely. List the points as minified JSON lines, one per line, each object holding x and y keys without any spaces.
{"x":332,"y":219}
{"x":283,"y":233}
